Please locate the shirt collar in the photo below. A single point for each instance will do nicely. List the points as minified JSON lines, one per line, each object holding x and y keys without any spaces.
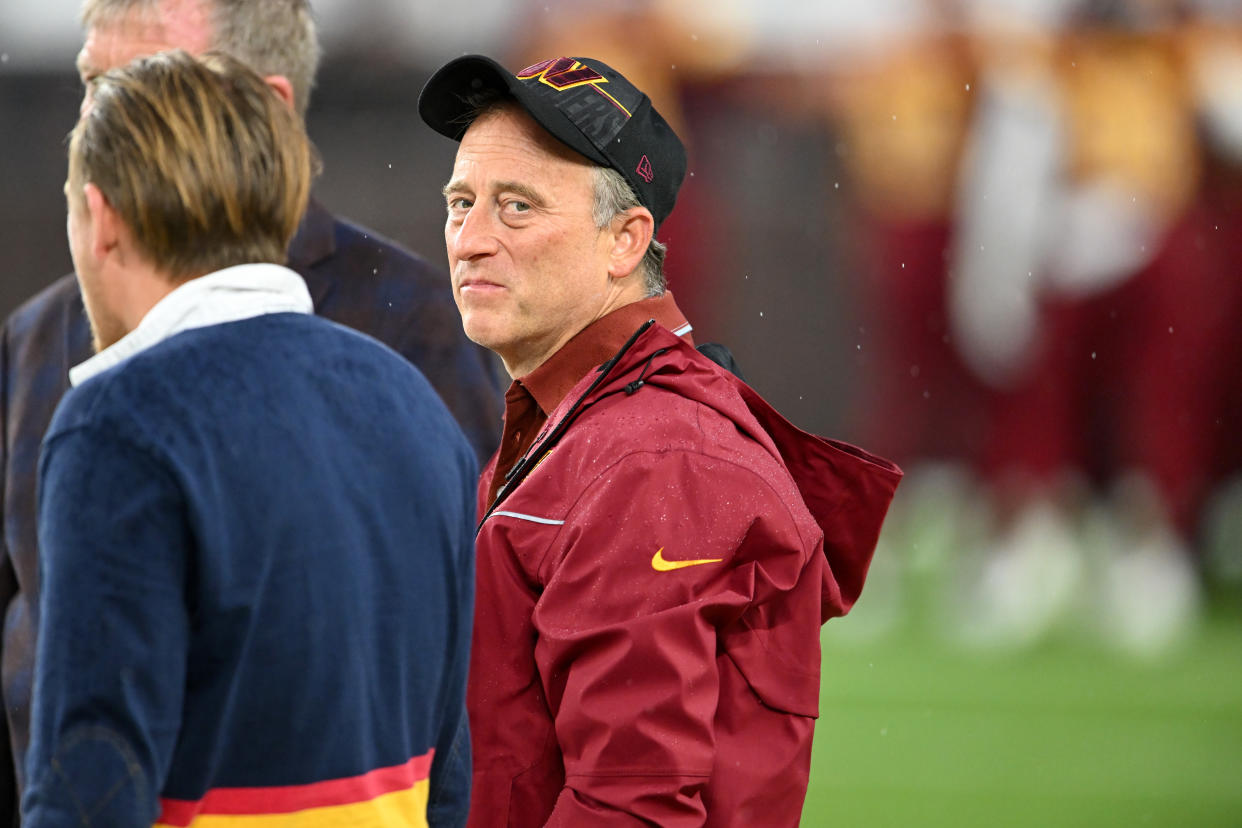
{"x":227,"y":295}
{"x":596,"y":344}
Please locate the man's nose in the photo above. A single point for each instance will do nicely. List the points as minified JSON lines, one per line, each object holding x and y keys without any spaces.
{"x":474,"y":237}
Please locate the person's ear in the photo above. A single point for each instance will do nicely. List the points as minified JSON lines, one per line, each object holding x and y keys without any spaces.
{"x":631,"y":234}
{"x":283,"y":88}
{"x":106,"y":224}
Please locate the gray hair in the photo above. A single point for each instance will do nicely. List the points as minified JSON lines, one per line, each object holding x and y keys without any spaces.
{"x":613,"y":196}
{"x":272,"y":37}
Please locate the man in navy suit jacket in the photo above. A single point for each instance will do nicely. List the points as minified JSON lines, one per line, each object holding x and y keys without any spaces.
{"x":355,"y":278}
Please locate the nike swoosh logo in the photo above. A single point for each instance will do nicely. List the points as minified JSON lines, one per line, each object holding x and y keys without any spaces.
{"x":660,"y":565}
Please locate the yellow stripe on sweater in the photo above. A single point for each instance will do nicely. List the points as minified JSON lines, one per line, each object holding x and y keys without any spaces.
{"x":400,"y":809}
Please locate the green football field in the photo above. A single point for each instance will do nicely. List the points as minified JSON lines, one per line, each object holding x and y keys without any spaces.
{"x":916,"y":733}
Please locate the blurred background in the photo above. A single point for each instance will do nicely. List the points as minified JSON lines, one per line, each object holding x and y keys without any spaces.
{"x":997,"y":241}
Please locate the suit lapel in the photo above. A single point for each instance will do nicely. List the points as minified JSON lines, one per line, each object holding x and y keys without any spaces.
{"x":313,"y":243}
{"x":77,"y":329}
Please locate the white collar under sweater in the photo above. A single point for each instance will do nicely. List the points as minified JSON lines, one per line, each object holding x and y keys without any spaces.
{"x":227,"y":295}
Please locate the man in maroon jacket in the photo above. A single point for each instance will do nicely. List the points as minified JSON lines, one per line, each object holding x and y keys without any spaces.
{"x":659,"y":546}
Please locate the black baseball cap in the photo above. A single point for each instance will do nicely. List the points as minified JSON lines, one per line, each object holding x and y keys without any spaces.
{"x":586,"y":104}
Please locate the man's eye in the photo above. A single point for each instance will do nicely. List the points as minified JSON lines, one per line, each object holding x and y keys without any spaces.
{"x":459,"y":203}
{"x":519,"y":206}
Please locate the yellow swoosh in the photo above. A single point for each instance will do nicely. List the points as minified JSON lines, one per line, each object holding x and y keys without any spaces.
{"x":660,"y":565}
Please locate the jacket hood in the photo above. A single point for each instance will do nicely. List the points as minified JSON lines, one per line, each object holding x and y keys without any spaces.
{"x":846,"y":490}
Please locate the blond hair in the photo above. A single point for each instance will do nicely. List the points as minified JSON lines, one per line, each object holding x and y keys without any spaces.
{"x":204,"y":165}
{"x":272,"y":37}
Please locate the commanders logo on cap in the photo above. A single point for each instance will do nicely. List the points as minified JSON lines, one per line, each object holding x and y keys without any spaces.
{"x":566,"y":73}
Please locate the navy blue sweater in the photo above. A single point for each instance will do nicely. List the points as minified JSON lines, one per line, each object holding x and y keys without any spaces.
{"x":256,"y":554}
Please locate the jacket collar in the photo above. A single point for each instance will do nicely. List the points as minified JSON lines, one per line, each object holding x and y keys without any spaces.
{"x":551,"y":382}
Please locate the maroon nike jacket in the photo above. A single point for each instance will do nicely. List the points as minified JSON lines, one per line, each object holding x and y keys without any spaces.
{"x":651,"y":583}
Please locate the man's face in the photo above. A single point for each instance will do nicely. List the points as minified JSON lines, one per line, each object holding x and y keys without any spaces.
{"x":173,"y":24}
{"x":529,"y":266}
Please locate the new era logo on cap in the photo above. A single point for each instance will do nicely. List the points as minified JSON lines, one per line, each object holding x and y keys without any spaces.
{"x":644,"y":169}
{"x":582,"y":102}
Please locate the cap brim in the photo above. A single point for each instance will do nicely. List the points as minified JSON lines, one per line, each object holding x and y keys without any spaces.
{"x":443,"y":103}
{"x":445,"y":107}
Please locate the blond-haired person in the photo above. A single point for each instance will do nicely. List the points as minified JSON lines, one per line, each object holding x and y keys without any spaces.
{"x":255,"y":525}
{"x":355,"y":277}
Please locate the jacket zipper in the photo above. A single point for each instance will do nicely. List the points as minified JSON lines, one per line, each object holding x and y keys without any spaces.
{"x":527,"y":463}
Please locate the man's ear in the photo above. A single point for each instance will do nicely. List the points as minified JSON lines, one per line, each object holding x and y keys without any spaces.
{"x":632,"y":232}
{"x":283,"y":88}
{"x":106,"y":225}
